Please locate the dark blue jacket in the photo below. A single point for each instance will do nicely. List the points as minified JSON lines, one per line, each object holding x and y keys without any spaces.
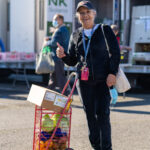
{"x":62,"y":37}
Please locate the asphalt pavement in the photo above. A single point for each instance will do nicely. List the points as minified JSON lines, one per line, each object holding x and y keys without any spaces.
{"x":130,"y":120}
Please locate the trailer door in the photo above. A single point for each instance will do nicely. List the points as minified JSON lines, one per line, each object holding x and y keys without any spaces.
{"x":22,"y":18}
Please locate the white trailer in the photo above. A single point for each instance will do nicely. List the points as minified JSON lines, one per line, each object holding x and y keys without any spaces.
{"x":140,"y":34}
{"x":136,"y":21}
{"x":22,"y":25}
{"x":27,"y":22}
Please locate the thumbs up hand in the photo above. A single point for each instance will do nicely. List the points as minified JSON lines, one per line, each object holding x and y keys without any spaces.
{"x":60,"y":51}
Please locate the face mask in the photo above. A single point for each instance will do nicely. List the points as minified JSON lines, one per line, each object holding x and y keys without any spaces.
{"x":55,"y":23}
{"x":114,"y":95}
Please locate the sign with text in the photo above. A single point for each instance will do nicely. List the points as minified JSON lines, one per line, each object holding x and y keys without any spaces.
{"x":63,"y":7}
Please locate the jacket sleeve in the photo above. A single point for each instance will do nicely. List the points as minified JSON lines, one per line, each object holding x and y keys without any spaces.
{"x":114,"y":50}
{"x":71,"y":57}
{"x":56,"y":38}
{"x":62,"y":37}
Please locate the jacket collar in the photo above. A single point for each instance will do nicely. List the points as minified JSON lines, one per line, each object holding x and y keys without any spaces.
{"x":81,"y":29}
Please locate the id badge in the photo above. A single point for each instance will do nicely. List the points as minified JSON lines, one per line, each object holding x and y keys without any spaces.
{"x":85,"y":73}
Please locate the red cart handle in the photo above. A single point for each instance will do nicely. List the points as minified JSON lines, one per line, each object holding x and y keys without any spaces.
{"x":67,"y":83}
{"x":61,"y":116}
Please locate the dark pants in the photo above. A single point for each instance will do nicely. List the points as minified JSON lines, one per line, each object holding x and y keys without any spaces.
{"x":96,"y":102}
{"x":58,"y":78}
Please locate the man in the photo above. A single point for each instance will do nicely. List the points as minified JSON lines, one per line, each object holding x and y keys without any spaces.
{"x":60,"y":35}
{"x":116,"y":32}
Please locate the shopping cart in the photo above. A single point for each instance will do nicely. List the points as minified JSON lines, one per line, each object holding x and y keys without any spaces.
{"x":52,"y":129}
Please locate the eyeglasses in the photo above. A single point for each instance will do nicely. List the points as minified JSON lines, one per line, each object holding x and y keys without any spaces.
{"x":88,"y":12}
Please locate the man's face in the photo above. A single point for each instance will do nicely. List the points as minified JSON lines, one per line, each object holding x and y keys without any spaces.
{"x":56,"y":18}
{"x":115,"y":32}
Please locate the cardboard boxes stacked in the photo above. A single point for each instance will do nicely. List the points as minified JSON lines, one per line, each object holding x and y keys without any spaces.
{"x":48,"y":99}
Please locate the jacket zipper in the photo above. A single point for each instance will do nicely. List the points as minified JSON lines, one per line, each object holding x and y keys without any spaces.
{"x":92,"y":65}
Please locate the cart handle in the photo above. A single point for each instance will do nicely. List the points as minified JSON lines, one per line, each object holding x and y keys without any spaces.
{"x":68,"y":81}
{"x":76,"y":79}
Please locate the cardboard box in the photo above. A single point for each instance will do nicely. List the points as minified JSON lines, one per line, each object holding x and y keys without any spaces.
{"x":48,"y":99}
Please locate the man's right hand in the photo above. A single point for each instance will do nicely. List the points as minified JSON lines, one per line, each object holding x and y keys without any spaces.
{"x":60,"y":51}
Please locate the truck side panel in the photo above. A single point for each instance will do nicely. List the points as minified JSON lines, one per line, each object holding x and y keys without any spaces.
{"x":22,"y":28}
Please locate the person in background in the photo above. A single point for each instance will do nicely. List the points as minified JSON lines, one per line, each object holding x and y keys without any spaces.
{"x":96,"y":72}
{"x":116,"y":32}
{"x":60,"y":35}
{"x":2,"y":47}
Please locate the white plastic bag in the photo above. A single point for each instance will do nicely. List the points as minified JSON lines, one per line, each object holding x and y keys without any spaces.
{"x":45,"y":63}
{"x":122,"y":84}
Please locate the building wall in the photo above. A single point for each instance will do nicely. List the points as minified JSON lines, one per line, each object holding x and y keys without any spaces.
{"x":104,"y":8}
{"x":3,"y":20}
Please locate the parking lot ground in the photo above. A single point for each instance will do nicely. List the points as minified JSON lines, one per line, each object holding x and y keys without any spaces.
{"x":130,"y":120}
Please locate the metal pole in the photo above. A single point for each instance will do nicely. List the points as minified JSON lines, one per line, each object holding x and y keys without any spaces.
{"x":113,"y":15}
{"x":73,"y":15}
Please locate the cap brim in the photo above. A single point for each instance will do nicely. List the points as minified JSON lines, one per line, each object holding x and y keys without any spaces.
{"x":82,"y":6}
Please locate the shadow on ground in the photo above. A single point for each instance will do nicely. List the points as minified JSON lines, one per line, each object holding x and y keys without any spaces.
{"x":138,"y":100}
{"x":133,"y":100}
{"x":131,"y":111}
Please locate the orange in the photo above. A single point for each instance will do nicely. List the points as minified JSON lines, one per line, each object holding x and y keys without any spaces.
{"x":50,"y":145}
{"x":42,"y":148}
{"x":42,"y":145}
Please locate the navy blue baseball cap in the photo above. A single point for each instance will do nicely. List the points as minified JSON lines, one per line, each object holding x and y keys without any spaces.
{"x":86,"y":4}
